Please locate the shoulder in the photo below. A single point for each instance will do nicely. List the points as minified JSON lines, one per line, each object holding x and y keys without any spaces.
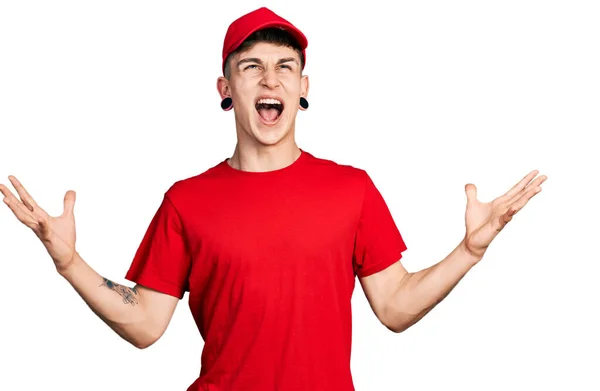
{"x":337,"y":169}
{"x":353,"y":180}
{"x":184,"y":190}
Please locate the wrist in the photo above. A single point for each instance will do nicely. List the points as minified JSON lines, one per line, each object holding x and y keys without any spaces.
{"x":67,"y":269}
{"x":466,"y":254}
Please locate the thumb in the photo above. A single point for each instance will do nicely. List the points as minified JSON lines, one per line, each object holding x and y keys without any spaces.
{"x":471,"y":191}
{"x":69,"y":202}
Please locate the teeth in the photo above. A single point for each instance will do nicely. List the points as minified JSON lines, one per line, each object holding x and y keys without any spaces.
{"x":269,"y":101}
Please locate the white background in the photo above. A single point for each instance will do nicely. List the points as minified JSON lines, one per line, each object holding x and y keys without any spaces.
{"x":117,"y":100}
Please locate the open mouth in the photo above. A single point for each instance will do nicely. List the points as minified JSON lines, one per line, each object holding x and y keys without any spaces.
{"x":269,"y":109}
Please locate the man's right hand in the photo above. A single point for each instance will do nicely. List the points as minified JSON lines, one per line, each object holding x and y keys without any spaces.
{"x":56,"y":233}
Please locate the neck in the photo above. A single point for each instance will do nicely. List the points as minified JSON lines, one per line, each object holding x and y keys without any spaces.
{"x":262,"y":158}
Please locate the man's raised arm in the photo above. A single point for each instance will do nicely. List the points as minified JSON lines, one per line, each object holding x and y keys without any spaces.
{"x":139,"y":315}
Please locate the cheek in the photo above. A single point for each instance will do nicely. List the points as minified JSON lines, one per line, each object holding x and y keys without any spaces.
{"x":244,"y":97}
{"x":292,"y":85}
{"x":293,"y":90}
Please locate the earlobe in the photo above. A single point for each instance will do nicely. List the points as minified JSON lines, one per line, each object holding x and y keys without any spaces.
{"x":223,"y":88}
{"x":227,"y":104}
{"x":303,"y":103}
{"x":304,"y":88}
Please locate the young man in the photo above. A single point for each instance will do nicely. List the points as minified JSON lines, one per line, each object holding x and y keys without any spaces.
{"x":269,"y":242}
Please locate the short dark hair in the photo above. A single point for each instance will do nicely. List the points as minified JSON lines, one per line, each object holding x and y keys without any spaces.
{"x":275,"y":36}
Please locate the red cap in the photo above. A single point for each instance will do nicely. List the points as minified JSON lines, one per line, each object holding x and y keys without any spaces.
{"x":243,"y":27}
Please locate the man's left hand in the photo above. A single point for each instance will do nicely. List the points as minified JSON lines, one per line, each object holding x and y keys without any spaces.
{"x":485,"y":220}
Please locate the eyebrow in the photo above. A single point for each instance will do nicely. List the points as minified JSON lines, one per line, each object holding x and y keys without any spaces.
{"x":258,"y":60}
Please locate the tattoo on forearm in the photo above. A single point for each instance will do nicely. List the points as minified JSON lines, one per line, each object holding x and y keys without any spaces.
{"x":128,"y":294}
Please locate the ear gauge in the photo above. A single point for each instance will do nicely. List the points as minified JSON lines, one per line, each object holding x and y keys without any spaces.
{"x":303,"y":103}
{"x":227,"y":104}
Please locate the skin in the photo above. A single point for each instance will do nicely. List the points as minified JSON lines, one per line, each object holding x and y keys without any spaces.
{"x":261,"y":147}
{"x":124,"y":309}
{"x":398,"y":298}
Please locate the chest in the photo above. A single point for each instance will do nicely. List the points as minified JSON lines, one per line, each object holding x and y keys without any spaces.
{"x":272,"y":249}
{"x":264,"y":227}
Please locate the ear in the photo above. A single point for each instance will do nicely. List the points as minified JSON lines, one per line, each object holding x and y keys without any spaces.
{"x":304,"y":86}
{"x":223,"y":87}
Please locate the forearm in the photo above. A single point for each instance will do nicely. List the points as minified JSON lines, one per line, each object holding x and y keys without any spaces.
{"x":120,"y":307}
{"x":419,"y":292}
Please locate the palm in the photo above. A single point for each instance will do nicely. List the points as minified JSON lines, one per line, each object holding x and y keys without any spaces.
{"x":60,"y":237}
{"x":56,"y":233}
{"x":485,"y":220}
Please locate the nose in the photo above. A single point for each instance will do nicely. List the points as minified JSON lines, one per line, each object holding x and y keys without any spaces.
{"x":270,"y":79}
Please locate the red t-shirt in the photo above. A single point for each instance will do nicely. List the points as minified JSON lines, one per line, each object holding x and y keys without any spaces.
{"x":270,"y":260}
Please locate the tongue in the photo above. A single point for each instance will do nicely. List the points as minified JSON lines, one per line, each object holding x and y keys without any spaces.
{"x":269,"y":115}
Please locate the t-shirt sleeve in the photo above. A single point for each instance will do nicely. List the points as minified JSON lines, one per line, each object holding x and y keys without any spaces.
{"x":162,"y":260}
{"x":378,"y":242}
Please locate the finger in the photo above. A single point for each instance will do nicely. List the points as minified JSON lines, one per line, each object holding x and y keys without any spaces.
{"x":69,"y":202}
{"x":521,"y":185}
{"x":42,"y":227}
{"x":498,"y":223}
{"x":4,"y":190}
{"x":471,"y":191}
{"x":504,"y":219}
{"x":25,"y":197}
{"x":523,"y":200}
{"x":507,"y":217}
{"x":23,"y":214}
{"x":536,"y":183}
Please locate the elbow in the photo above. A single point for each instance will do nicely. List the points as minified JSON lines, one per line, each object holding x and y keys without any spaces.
{"x":146,"y":339}
{"x":400,"y":321}
{"x":143,"y":344}
{"x":398,"y":328}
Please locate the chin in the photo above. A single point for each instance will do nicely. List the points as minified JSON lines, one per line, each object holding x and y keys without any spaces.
{"x":271,"y":134}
